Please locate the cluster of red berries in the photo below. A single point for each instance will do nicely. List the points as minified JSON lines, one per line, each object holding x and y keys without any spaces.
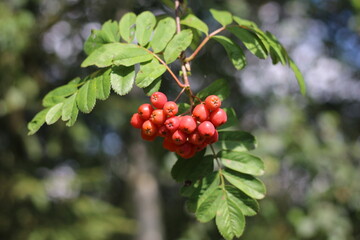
{"x":186,"y":134}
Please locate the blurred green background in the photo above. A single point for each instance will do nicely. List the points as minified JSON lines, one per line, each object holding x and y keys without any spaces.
{"x":98,"y":180}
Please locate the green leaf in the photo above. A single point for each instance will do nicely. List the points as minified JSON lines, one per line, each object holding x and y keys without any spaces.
{"x":110,"y":30}
{"x":223,"y":17}
{"x":277,"y":49}
{"x":234,"y":52}
{"x":122,"y":79}
{"x":54,"y":114}
{"x":163,"y":33}
{"x":148,"y":73}
{"x":118,"y":54}
{"x":248,"y":184}
{"x":194,"y":22}
{"x":229,"y":218}
{"x":145,"y":24}
{"x":178,"y":44}
{"x":183,"y":107}
{"x":299,"y":77}
{"x":70,"y":111}
{"x":39,"y":119}
{"x":103,"y":86}
{"x":231,"y":118}
{"x":244,"y":22}
{"x":58,"y":95}
{"x":153,"y":87}
{"x":251,"y":41}
{"x":127,"y":26}
{"x":201,"y":190}
{"x":192,"y":169}
{"x":86,"y":97}
{"x":248,"y":205}
{"x":242,"y":162}
{"x":109,"y":33}
{"x":219,"y":87}
{"x":237,"y":141}
{"x":209,"y":200}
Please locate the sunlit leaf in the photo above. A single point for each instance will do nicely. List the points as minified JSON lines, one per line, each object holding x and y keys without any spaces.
{"x":153,"y":87}
{"x":70,"y":111}
{"x":122,"y":79}
{"x":86,"y":97}
{"x":127,"y":26}
{"x":178,"y":44}
{"x":223,"y":17}
{"x":148,"y":73}
{"x":229,"y":218}
{"x":110,"y":31}
{"x":58,"y":95}
{"x":299,"y":77}
{"x":54,"y":114}
{"x":242,"y":162}
{"x":163,"y":33}
{"x":39,"y":119}
{"x":117,"y":54}
{"x":194,"y":22}
{"x":234,"y":52}
{"x":145,"y":24}
{"x":248,"y":205}
{"x":248,"y":184}
{"x":103,"y":86}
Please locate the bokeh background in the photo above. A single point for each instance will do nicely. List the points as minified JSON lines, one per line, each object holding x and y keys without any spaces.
{"x":97,"y":180}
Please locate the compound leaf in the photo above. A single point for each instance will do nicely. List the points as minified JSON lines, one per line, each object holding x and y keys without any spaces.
{"x":153,"y":87}
{"x":223,"y":17}
{"x":127,"y":26}
{"x":122,"y":79}
{"x":178,"y":44}
{"x":163,"y":33}
{"x":86,"y":97}
{"x":110,"y":30}
{"x":242,"y":162}
{"x":234,"y":52}
{"x":103,"y":86}
{"x":192,"y":21}
{"x":148,"y":73}
{"x":299,"y":77}
{"x":248,"y":205}
{"x":145,"y":24}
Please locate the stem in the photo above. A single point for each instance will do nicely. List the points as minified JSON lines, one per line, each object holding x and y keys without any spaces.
{"x":178,"y":96}
{"x":202,"y":44}
{"x":220,"y":169}
{"x":177,"y":16}
{"x":167,"y":68}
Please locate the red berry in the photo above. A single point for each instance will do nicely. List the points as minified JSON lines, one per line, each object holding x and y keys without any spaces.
{"x":145,"y":111}
{"x":170,"y":109}
{"x":158,"y":99}
{"x":163,"y":131}
{"x":213,"y":139}
{"x":212,"y":102}
{"x":187,"y":150}
{"x":196,"y":138}
{"x":201,"y":113}
{"x":179,"y":137}
{"x":172,"y":123}
{"x":148,"y":138}
{"x":157,"y":116}
{"x":136,"y":121}
{"x":206,"y":129}
{"x":187,"y":124}
{"x":198,"y":148}
{"x":170,"y":145}
{"x":149,"y":128}
{"x":218,"y":117}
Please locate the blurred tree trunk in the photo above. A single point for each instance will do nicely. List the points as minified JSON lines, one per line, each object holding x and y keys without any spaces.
{"x":145,"y":191}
